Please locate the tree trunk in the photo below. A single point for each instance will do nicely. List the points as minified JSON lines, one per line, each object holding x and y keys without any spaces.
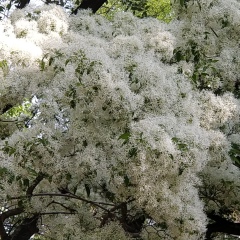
{"x":26,"y":229}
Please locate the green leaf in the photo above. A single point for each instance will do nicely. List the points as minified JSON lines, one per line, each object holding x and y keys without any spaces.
{"x":199,"y":5}
{"x":126,"y":181}
{"x":32,"y":171}
{"x":67,"y":61}
{"x":9,"y":6}
{"x":235,"y":150}
{"x":9,"y":150}
{"x":88,"y":189}
{"x":132,"y":152}
{"x":20,"y":203}
{"x":109,"y":195}
{"x":182,"y":3}
{"x":180,"y":145}
{"x":125,"y":136}
{"x":85,"y":143}
{"x":175,"y":139}
{"x":163,"y":225}
{"x":3,"y":63}
{"x":26,"y":182}
{"x":234,"y":153}
{"x":3,"y":171}
{"x":11,"y":177}
{"x":43,"y":141}
{"x":42,"y":65}
{"x":68,"y":176}
{"x":180,"y":170}
{"x":72,"y":103}
{"x":51,"y":60}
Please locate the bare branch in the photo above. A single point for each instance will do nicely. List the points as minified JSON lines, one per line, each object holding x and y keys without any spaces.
{"x":31,"y":188}
{"x":56,"y":213}
{"x":97,"y":204}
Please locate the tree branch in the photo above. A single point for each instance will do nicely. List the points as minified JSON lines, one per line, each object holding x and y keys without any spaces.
{"x":29,"y":225}
{"x":4,"y":216}
{"x":221,"y":225}
{"x":26,"y":229}
{"x":94,"y":5}
{"x":56,"y":213}
{"x":31,"y":188}
{"x":3,"y":233}
{"x":97,"y":204}
{"x":10,"y":213}
{"x":22,"y":4}
{"x":62,"y":205}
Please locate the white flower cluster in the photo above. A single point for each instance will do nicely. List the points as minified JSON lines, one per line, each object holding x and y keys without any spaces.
{"x":212,"y":28}
{"x":113,"y":111}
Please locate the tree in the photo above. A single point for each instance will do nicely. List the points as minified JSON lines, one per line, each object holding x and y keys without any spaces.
{"x":147,"y":8}
{"x":133,"y":126}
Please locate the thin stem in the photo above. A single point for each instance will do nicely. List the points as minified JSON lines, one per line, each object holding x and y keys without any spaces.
{"x":67,"y":196}
{"x":55,"y":213}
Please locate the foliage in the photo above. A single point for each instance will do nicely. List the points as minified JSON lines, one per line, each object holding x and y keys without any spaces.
{"x":22,"y":109}
{"x":202,"y":41}
{"x":160,"y":9}
{"x":147,"y":8}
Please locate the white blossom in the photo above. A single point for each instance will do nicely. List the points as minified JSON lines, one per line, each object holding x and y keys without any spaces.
{"x":113,"y":109}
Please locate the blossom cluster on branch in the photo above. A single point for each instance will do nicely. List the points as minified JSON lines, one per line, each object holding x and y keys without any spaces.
{"x":120,"y":123}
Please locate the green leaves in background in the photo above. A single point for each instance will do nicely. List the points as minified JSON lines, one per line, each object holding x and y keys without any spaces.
{"x":234,"y":153}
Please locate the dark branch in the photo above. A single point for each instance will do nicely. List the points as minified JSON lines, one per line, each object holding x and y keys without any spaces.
{"x":10,"y":213}
{"x":26,"y":229}
{"x":56,"y":213}
{"x":4,"y":216}
{"x":8,"y":121}
{"x":94,"y":5}
{"x":221,"y":225}
{"x":3,"y":233}
{"x":22,"y":4}
{"x":28,"y":226}
{"x":6,"y":108}
{"x":31,"y":188}
{"x":62,"y":205}
{"x":97,"y":204}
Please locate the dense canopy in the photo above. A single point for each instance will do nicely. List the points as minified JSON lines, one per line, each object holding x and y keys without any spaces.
{"x":123,"y":128}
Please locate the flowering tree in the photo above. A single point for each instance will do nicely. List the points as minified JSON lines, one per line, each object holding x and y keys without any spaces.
{"x":129,"y":128}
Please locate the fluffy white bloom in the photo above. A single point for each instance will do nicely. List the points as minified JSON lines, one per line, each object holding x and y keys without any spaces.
{"x":163,"y":43}
{"x":211,"y":29}
{"x":112,"y":115}
{"x":53,"y":19}
{"x":19,"y":51}
{"x":218,"y":110}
